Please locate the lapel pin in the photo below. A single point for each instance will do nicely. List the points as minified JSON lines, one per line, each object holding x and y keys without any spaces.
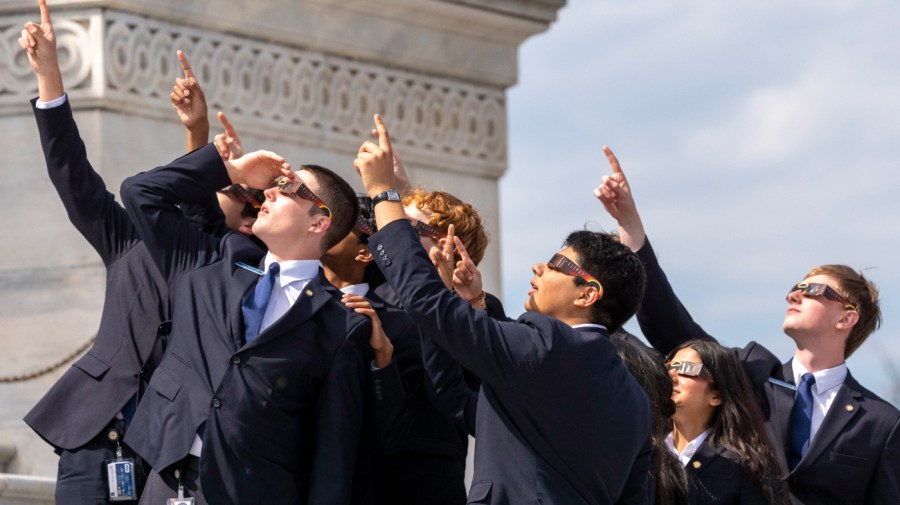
{"x":309,"y":292}
{"x":697,"y":464}
{"x":849,"y":408}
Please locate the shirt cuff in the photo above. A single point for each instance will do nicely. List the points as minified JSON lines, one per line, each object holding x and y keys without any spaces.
{"x":52,"y":104}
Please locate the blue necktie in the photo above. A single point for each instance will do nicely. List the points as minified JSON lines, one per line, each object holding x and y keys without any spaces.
{"x":254,"y":306}
{"x":801,"y":419}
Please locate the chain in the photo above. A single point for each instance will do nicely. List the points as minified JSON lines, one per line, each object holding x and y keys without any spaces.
{"x":55,"y":366}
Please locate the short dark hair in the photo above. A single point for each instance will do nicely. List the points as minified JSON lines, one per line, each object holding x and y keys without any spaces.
{"x":340,"y":198}
{"x":617,"y":268}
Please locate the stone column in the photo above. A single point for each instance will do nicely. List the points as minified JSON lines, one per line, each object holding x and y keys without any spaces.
{"x":302,"y":78}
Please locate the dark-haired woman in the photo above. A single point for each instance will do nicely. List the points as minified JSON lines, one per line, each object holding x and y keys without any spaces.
{"x":718,"y":431}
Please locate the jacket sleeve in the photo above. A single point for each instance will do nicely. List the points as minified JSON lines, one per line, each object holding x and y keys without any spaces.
{"x":446,"y":387}
{"x":501,"y":353}
{"x":885,"y":486}
{"x":664,"y":321}
{"x":153,"y":198}
{"x":90,"y":206}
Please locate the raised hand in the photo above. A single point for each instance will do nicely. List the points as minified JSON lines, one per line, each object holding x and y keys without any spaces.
{"x":614,"y":193}
{"x":188,"y":98}
{"x":228,"y":144}
{"x":401,"y":179}
{"x":39,"y":43}
{"x":379,"y":342}
{"x":467,"y":277}
{"x":374,"y":162}
{"x":442,"y":255}
{"x":258,"y":169}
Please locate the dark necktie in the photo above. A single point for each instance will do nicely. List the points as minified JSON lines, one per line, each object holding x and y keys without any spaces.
{"x":801,"y":419}
{"x":254,"y":306}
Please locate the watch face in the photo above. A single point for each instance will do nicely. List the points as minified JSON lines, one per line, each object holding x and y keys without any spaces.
{"x":393,"y":195}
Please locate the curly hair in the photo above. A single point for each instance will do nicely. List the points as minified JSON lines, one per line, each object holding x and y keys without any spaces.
{"x":446,"y":209}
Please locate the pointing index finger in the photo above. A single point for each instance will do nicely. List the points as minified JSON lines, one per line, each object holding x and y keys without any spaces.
{"x":613,"y":161}
{"x":384,"y":140}
{"x":45,"y":13}
{"x":229,"y":129}
{"x":188,"y":73}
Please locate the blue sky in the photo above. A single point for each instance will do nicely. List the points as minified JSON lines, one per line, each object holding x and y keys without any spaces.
{"x":760,"y":140}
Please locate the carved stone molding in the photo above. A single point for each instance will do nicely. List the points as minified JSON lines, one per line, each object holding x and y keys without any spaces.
{"x":125,"y":62}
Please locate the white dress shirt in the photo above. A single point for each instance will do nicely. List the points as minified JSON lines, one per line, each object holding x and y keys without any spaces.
{"x":828,"y":383}
{"x":292,"y":278}
{"x":689,"y":450}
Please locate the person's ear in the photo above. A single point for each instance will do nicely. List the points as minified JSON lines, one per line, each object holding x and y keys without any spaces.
{"x":848,"y":320}
{"x":320,"y":225}
{"x":589,"y":296}
{"x":715,"y":401}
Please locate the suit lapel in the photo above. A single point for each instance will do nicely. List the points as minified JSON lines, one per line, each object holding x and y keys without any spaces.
{"x":312,"y":298}
{"x":846,"y":406}
{"x":242,"y":281}
{"x":781,"y":402}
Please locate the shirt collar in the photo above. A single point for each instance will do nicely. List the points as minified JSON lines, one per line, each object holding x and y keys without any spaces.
{"x":825,"y":379}
{"x":690,"y":449}
{"x":588,"y":325}
{"x":361,"y":289}
{"x":293,"y":270}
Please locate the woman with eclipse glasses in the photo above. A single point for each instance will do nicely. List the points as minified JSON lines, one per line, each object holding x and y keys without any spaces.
{"x":718,"y":431}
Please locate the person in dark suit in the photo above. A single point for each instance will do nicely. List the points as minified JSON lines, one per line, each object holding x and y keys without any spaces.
{"x":717,"y":430}
{"x":259,"y":396}
{"x":838,"y":442}
{"x":418,"y":454}
{"x":84,"y":414}
{"x":560,"y":419}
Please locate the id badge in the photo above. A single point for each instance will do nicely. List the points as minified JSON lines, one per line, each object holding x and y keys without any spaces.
{"x":181,"y":501}
{"x":121,"y":480}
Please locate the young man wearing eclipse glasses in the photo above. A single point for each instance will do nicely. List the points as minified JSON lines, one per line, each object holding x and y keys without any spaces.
{"x":840,"y":442}
{"x":259,"y":397}
{"x":560,"y":419}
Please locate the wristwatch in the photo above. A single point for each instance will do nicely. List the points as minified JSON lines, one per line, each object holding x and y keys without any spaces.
{"x":390,"y":195}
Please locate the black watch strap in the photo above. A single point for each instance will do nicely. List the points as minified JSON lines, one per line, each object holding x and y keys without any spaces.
{"x":391,"y":195}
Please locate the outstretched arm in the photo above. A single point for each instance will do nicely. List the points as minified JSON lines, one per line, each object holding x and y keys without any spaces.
{"x":90,"y":207}
{"x":500,"y":355}
{"x":189,"y":103}
{"x":152,"y":200}
{"x":664,"y":321}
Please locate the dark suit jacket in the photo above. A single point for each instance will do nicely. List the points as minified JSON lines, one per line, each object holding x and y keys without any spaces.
{"x":716,"y":476}
{"x":97,"y":386}
{"x":560,"y":419}
{"x":854,"y":457}
{"x":282,"y":414}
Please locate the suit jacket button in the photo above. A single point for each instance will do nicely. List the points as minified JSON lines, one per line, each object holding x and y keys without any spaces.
{"x":379,"y":397}
{"x":236,"y":360}
{"x":143,"y":372}
{"x":380,"y":247}
{"x":216,"y":403}
{"x":387,"y":263}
